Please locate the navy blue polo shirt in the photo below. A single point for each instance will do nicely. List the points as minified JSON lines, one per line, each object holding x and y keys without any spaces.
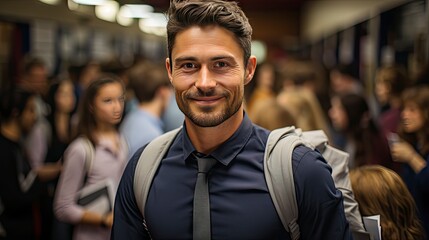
{"x":241,"y":207}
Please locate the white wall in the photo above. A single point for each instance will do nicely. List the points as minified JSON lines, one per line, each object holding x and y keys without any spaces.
{"x":34,"y":10}
{"x":324,"y":17}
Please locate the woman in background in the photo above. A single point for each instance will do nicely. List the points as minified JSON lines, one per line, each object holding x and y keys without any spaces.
{"x":61,"y":102}
{"x":100,"y":113}
{"x":390,"y":81}
{"x":305,"y":108}
{"x":412,"y":149}
{"x":261,"y":89}
{"x":365,"y":142}
{"x":381,"y":191}
{"x":271,"y":115}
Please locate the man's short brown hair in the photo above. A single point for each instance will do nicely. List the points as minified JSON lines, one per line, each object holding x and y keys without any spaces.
{"x":183,"y":14}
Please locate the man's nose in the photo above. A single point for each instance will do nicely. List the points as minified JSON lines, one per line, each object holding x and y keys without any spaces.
{"x":205,"y":79}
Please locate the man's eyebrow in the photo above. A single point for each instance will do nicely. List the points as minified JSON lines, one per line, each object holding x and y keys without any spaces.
{"x":226,"y":57}
{"x":215,"y":58}
{"x":185,"y":58}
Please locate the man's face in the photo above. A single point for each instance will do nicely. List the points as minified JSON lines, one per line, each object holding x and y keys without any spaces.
{"x":37,"y":79}
{"x":338,"y":115}
{"x":208,"y":74}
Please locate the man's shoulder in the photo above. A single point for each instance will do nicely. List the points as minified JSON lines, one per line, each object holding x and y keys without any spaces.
{"x":309,"y":164}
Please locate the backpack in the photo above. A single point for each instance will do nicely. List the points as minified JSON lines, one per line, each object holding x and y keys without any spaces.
{"x":277,"y":170}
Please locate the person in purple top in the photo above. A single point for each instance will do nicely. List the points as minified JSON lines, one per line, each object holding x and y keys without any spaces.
{"x":100,"y":113}
{"x":208,"y":65}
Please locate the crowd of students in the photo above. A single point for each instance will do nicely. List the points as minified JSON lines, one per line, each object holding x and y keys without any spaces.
{"x":45,"y":125}
{"x":386,"y":130}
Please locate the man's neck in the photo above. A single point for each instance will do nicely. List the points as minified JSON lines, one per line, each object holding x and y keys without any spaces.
{"x":207,"y":139}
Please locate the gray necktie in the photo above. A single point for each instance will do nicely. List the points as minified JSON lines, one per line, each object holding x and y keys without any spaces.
{"x":201,"y":230}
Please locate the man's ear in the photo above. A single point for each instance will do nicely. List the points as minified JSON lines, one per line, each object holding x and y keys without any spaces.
{"x":250,"y":69}
{"x":168,"y":66}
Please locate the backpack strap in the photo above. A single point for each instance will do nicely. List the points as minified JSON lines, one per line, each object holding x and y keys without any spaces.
{"x":89,"y":153}
{"x":279,"y":176}
{"x":338,"y":160}
{"x":148,"y":164}
{"x":89,"y":156}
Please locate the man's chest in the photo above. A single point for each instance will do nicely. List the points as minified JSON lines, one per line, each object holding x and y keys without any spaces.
{"x":240,"y":204}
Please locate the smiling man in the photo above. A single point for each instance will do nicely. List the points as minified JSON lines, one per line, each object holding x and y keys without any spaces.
{"x":209,"y":64}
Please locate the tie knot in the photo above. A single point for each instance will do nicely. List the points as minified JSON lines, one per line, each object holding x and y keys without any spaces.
{"x":205,"y":164}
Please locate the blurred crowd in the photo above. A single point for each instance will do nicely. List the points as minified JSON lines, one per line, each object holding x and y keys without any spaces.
{"x":48,"y":122}
{"x":46,"y":119}
{"x":382,"y":131}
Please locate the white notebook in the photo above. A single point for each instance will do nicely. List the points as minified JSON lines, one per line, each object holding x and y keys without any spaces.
{"x":97,"y":197}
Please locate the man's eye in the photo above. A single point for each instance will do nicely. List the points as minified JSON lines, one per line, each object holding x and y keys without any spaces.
{"x":221,"y":64}
{"x":188,"y":65}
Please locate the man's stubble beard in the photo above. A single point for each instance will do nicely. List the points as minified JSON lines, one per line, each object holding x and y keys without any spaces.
{"x":207,"y":118}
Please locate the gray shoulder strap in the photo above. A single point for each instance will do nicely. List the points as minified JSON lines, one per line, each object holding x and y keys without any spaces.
{"x":148,"y":164}
{"x":89,"y":154}
{"x":279,"y":176}
{"x":338,"y":160}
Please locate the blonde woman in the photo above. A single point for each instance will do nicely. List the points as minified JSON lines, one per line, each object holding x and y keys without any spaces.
{"x":381,"y":191}
{"x":305,"y":109}
{"x":271,"y":115}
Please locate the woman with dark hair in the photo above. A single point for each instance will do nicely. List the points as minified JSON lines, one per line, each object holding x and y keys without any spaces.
{"x":366,"y":144}
{"x":390,"y":82}
{"x":20,"y":185}
{"x":412,"y":149}
{"x":61,"y":101}
{"x":100,"y":113}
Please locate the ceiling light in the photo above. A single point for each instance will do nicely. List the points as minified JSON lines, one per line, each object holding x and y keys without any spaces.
{"x":155,"y":24}
{"x":90,"y":2}
{"x":72,"y":5}
{"x":107,"y":11}
{"x":51,"y":2}
{"x":122,"y":18}
{"x":137,"y":10}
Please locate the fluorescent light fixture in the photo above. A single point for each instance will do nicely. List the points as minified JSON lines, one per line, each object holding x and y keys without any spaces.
{"x":122,"y":18}
{"x":90,"y":2}
{"x":107,"y":11}
{"x":51,"y":2}
{"x":72,"y":5}
{"x":155,"y":24}
{"x":137,"y":10}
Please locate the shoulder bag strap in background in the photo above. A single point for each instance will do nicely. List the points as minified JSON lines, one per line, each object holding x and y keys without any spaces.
{"x":89,"y":157}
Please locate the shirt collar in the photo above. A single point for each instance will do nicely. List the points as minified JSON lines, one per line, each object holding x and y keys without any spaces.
{"x":226,"y":152}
